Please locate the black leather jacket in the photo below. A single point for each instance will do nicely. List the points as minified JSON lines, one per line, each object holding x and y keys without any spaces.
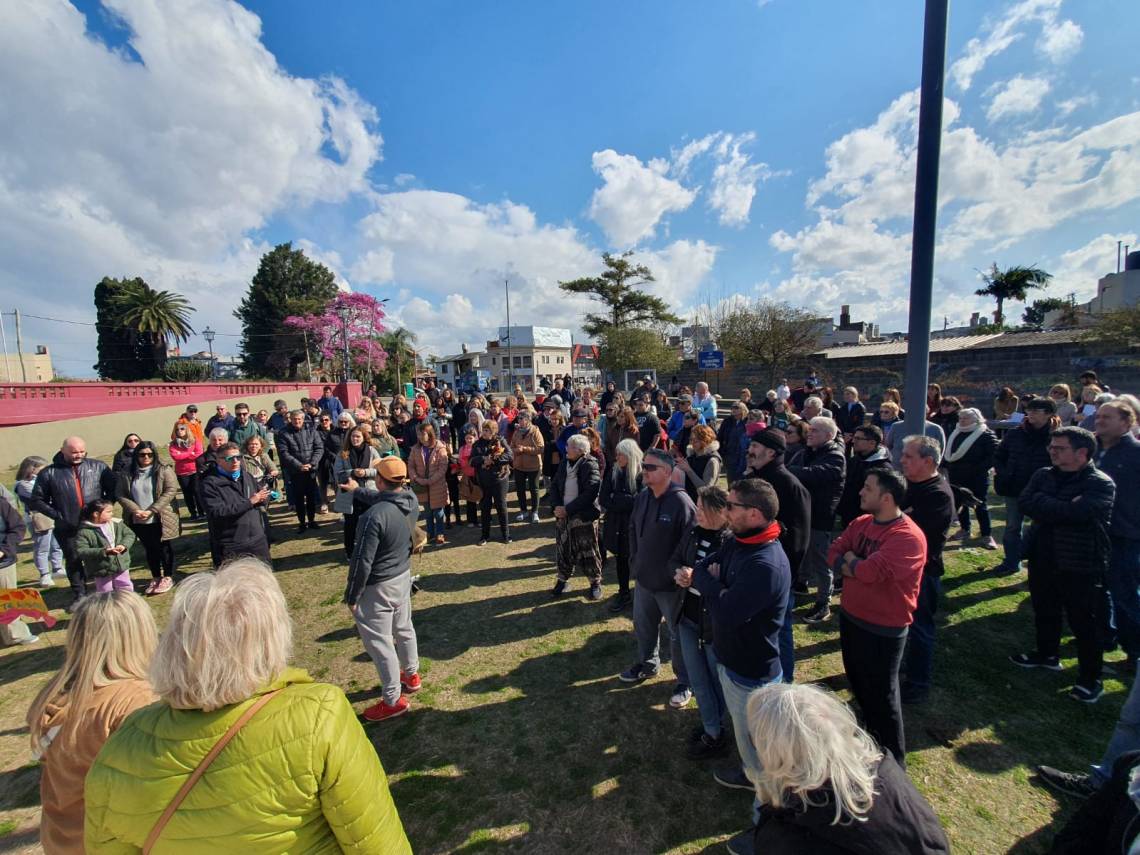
{"x":58,"y":487}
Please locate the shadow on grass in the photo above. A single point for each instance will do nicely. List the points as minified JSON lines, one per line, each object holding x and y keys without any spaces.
{"x":20,"y":788}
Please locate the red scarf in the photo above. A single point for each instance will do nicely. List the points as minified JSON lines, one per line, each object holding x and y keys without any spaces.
{"x":772,"y":532}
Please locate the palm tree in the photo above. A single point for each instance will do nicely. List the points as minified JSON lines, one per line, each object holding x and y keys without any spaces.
{"x":400,"y":345}
{"x":157,"y":316}
{"x":1011,"y":284}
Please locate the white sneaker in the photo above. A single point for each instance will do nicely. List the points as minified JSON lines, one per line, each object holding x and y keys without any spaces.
{"x":521,"y":517}
{"x":60,"y":573}
{"x":46,"y":581}
{"x":534,"y":517}
{"x":681,"y":697}
{"x":31,"y":639}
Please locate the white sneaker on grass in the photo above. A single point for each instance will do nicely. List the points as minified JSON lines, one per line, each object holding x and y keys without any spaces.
{"x":521,"y":517}
{"x":534,"y":517}
{"x":46,"y":581}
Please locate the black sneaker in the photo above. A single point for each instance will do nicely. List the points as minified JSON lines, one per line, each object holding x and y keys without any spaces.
{"x":1070,"y":783}
{"x":638,"y":673}
{"x":733,"y":778}
{"x":1087,"y":694}
{"x":1036,"y":660}
{"x":622,"y":601}
{"x":707,"y":747}
{"x":559,"y":588}
{"x":695,"y":734}
{"x":595,"y":592}
{"x":301,"y":529}
{"x":820,"y":614}
{"x":314,"y":524}
{"x":800,"y":589}
{"x":743,"y":843}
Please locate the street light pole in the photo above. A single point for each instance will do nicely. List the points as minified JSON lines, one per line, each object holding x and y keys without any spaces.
{"x":510,"y":363}
{"x":344,"y":313}
{"x":209,"y":334}
{"x":925,"y":215}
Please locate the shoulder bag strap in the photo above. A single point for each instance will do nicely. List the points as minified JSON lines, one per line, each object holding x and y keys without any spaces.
{"x":176,"y":802}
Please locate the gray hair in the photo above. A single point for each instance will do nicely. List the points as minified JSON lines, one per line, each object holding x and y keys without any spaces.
{"x":825,"y":424}
{"x":806,"y":738}
{"x":229,"y":635}
{"x":219,"y":431}
{"x":346,"y":416}
{"x":1104,"y":398}
{"x":928,"y":446}
{"x":579,"y":442}
{"x":974,"y":413}
{"x":632,"y":452}
{"x":814,"y":401}
{"x":296,"y":413}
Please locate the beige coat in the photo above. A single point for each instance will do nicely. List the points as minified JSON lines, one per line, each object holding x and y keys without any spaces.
{"x":70,"y":753}
{"x":527,"y":449}
{"x":165,"y":492}
{"x":434,"y":493}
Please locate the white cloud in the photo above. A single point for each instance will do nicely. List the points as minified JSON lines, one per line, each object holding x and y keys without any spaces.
{"x":1071,"y":105}
{"x":734,"y":180}
{"x":634,"y":197}
{"x":161,"y":167}
{"x":1077,"y":271}
{"x":1017,"y":97}
{"x":1059,"y":38}
{"x":404,"y":179}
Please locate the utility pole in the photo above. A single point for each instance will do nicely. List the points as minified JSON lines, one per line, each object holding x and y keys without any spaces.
{"x":20,"y":349}
{"x":925,"y":214}
{"x":510,"y":362}
{"x":209,"y":334}
{"x":4,"y":340}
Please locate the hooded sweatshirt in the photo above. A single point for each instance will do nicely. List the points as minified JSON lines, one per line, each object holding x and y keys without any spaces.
{"x":656,"y":527}
{"x":383,"y":540}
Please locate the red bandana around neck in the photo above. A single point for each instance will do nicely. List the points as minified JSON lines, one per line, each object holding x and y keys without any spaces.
{"x":772,"y":532}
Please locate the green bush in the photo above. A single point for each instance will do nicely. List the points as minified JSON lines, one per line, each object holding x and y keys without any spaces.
{"x":186,"y":371}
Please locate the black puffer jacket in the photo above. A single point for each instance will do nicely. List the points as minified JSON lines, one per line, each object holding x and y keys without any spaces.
{"x":55,"y":495}
{"x":234,"y":522}
{"x":973,"y":470}
{"x":298,"y":447}
{"x":617,"y":501}
{"x":795,"y":511}
{"x":498,"y":455}
{"x":1022,"y":452}
{"x":1071,"y":513}
{"x":584,"y":507}
{"x":822,"y":471}
{"x":857,"y":469}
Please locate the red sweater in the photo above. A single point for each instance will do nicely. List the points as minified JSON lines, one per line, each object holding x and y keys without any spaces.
{"x":884,"y":589}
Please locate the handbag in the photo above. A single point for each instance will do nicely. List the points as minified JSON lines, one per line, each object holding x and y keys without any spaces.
{"x":196,"y":775}
{"x":41,"y":523}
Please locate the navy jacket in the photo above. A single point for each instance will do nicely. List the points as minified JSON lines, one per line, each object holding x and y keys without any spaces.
{"x":749,"y":604}
{"x":656,"y":527}
{"x":1121,"y":463}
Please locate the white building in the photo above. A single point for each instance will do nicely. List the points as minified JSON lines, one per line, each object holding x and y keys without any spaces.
{"x":1114,"y":291}
{"x":528,"y":354}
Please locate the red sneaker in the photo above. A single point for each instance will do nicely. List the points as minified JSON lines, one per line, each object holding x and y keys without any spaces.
{"x":383,"y":711}
{"x":410,"y":683}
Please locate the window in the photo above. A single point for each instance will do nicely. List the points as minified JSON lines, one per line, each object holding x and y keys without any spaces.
{"x":526,"y":362}
{"x":494,"y":360}
{"x":545,"y":359}
{"x":518,"y":362}
{"x":443,"y":368}
{"x":561,"y":359}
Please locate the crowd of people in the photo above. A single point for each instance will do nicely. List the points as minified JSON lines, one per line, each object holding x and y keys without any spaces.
{"x":717,"y":523}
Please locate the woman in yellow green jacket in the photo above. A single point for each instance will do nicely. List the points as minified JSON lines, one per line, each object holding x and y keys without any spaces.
{"x":299,"y":776}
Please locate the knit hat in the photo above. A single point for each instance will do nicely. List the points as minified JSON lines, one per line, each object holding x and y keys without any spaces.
{"x":772,"y":438}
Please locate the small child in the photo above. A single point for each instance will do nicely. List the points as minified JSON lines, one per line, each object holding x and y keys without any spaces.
{"x":103,"y":545}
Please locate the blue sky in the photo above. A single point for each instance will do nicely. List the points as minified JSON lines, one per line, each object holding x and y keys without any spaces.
{"x":425,"y":151}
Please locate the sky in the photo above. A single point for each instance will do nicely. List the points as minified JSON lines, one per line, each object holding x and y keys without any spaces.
{"x":428,"y":152}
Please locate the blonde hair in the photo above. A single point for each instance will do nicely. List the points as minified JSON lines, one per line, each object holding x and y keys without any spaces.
{"x":229,"y":635}
{"x":890,"y":405}
{"x":110,"y":637}
{"x":1064,"y":389}
{"x":633,"y":454}
{"x":807,"y":739}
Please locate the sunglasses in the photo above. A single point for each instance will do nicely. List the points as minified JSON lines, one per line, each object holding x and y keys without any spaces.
{"x":232,"y":458}
{"x":146,"y":454}
{"x":651,"y":467}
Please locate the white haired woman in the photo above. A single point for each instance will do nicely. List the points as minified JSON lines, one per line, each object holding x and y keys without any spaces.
{"x":618,"y":490}
{"x":968,"y":460}
{"x":573,"y":493}
{"x":110,"y":641}
{"x":825,"y":788}
{"x":295,"y":773}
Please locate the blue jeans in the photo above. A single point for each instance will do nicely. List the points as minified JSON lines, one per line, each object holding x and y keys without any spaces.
{"x":920,"y":639}
{"x":701,"y":664}
{"x":434,"y":517}
{"x":737,"y":690}
{"x":1012,"y":542}
{"x":1123,"y":583}
{"x":648,"y":609}
{"x":46,"y":551}
{"x":1125,"y":738}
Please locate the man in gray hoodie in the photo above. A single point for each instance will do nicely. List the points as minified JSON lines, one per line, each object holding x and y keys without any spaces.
{"x":379,"y":589}
{"x":662,"y":515}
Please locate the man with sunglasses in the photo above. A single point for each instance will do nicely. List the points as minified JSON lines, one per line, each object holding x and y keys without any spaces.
{"x":246,"y":426}
{"x":232,"y":498}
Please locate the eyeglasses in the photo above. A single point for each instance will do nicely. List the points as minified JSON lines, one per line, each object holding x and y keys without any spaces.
{"x":650,"y":467}
{"x":232,"y":458}
{"x":145,"y":454}
{"x":731,"y":504}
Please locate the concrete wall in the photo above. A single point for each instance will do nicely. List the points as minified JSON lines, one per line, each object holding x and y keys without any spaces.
{"x":104,"y":434}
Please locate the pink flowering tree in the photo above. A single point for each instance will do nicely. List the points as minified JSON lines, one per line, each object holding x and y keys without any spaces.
{"x":326,"y":332}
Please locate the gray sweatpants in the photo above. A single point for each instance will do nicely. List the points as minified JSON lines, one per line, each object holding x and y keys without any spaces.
{"x":815,"y":564}
{"x":384,"y":621}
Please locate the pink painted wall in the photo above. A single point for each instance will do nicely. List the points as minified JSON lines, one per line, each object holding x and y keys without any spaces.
{"x":35,"y":403}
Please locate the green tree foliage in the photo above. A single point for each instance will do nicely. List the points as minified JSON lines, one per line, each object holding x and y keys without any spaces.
{"x":117,"y":346}
{"x":134,"y":323}
{"x":155,"y":317}
{"x":1115,"y":331}
{"x":186,"y":371}
{"x":1013,"y":283}
{"x":287,"y":283}
{"x":631,"y":332}
{"x":766,"y":333}
{"x":1034,"y":314}
{"x":400,"y":346}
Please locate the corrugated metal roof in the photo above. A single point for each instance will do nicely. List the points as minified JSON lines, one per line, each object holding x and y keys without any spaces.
{"x":962,"y":342}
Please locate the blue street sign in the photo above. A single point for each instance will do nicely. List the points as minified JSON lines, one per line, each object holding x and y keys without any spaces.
{"x":710,"y":360}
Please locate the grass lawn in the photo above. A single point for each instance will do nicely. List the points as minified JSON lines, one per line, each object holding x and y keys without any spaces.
{"x":523,"y":739}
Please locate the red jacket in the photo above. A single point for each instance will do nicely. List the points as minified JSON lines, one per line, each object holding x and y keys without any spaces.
{"x":884,"y":589}
{"x":185,"y":459}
